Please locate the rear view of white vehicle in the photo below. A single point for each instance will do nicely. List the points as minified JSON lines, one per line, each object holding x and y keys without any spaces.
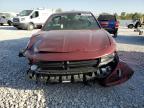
{"x":30,"y":19}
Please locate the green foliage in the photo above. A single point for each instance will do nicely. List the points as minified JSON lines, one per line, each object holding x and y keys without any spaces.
{"x":123,"y":16}
{"x":136,"y":16}
{"x":130,"y":16}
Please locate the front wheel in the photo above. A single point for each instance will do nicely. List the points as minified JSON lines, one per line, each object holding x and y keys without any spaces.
{"x":30,"y":26}
{"x":1,"y":24}
{"x":130,"y":26}
{"x":9,"y":23}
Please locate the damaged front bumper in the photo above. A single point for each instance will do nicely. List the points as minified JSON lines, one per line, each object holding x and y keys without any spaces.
{"x":121,"y":73}
{"x":112,"y":73}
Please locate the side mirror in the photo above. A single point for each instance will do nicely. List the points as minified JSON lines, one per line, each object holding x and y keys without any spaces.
{"x":31,"y":17}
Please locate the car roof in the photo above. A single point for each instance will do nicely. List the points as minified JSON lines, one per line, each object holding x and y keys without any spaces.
{"x":72,"y":12}
{"x":106,"y":14}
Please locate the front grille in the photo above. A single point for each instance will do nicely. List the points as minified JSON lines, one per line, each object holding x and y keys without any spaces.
{"x":15,"y":19}
{"x":67,"y":65}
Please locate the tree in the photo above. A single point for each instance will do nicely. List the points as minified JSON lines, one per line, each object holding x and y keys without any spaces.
{"x":136,"y":16}
{"x":123,"y":14}
{"x":129,"y":16}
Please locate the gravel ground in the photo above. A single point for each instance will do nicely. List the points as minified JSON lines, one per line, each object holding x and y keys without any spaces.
{"x":18,"y":92}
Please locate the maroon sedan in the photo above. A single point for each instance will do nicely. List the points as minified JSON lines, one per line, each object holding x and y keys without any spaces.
{"x":71,"y":47}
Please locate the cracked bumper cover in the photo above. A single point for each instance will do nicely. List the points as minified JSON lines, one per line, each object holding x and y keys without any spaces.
{"x":120,"y":73}
{"x":114,"y":78}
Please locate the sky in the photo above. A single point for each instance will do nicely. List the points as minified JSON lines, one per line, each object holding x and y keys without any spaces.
{"x":97,"y":6}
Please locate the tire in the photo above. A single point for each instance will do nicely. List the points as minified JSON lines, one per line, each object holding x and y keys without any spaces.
{"x":115,"y":35}
{"x":39,"y":26}
{"x":1,"y":24}
{"x":30,"y":26}
{"x":137,"y":25}
{"x":18,"y":28}
{"x":140,"y":32}
{"x":130,"y":26}
{"x":10,"y":23}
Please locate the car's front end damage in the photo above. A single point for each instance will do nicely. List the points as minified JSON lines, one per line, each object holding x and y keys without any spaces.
{"x":75,"y":55}
{"x":103,"y":66}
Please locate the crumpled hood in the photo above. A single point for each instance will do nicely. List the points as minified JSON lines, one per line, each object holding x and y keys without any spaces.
{"x":71,"y":41}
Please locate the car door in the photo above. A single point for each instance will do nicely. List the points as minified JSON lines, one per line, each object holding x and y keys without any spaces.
{"x":35,"y":17}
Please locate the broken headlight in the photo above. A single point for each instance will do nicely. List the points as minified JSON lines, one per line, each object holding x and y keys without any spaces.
{"x":107,"y":59}
{"x":35,"y":46}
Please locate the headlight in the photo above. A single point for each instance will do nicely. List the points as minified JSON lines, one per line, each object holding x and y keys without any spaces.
{"x":35,"y":46}
{"x":107,"y":59}
{"x":22,"y":19}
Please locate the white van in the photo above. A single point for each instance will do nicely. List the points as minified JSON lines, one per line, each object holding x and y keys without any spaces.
{"x":30,"y":19}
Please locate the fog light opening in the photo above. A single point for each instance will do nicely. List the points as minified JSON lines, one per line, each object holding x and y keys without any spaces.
{"x":34,"y":67}
{"x":103,"y":71}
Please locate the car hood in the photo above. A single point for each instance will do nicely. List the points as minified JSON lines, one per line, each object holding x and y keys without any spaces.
{"x":71,"y":41}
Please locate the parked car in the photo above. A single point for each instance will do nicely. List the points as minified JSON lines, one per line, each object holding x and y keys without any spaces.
{"x":30,"y":19}
{"x":72,"y":44}
{"x":109,"y":22}
{"x":6,"y":18}
{"x":134,"y":24}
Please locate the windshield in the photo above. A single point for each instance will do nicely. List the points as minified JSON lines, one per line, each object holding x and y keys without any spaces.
{"x":71,"y":21}
{"x":106,"y":17}
{"x":25,"y":13}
